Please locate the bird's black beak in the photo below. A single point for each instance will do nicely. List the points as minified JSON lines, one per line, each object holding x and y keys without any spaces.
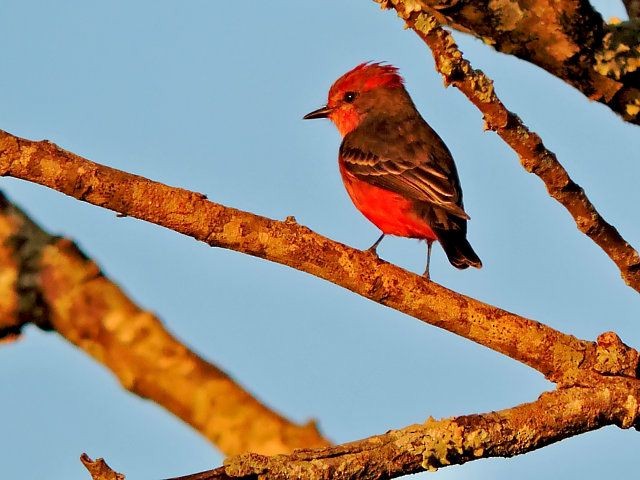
{"x":322,"y":112}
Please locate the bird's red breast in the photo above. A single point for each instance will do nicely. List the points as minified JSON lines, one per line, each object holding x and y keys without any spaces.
{"x":390,"y":212}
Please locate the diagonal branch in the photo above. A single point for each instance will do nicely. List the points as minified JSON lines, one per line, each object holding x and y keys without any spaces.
{"x":434,"y":444}
{"x":556,"y":355}
{"x":534,"y":156}
{"x":61,"y":289}
{"x":568,"y":39}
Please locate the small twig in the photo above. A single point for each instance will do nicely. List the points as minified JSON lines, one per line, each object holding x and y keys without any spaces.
{"x":99,"y":469}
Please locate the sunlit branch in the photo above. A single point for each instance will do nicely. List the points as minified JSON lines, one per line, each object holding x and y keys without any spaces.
{"x":50,"y":282}
{"x":439,"y":443}
{"x":551,"y":352}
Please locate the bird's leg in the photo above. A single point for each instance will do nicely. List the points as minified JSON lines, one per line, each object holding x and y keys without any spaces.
{"x":373,"y":247}
{"x":426,"y":271}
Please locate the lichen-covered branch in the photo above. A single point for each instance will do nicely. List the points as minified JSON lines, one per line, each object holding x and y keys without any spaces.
{"x":568,"y":39}
{"x":439,"y":443}
{"x":534,"y":156}
{"x":560,"y":357}
{"x":58,"y":287}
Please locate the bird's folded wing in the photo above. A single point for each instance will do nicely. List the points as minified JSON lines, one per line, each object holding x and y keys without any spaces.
{"x":413,"y":171}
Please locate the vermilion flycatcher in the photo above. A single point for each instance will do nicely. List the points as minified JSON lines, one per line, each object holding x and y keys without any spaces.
{"x":396,"y":169}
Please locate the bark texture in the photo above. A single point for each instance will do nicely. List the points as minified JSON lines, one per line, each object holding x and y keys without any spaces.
{"x":66,"y":291}
{"x":568,"y":39}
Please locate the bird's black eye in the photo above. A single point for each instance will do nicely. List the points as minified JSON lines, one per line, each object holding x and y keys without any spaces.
{"x":349,"y":97}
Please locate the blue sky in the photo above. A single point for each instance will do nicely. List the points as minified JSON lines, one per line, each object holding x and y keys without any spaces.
{"x":210,"y":98}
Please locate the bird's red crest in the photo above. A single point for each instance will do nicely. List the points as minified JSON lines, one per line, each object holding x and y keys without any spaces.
{"x":363,"y":78}
{"x":367,"y":76}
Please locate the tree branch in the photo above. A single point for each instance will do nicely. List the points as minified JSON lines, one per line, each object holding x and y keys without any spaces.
{"x":61,"y":289}
{"x":435,"y":444}
{"x":560,"y":357}
{"x":568,"y":39}
{"x":534,"y":156}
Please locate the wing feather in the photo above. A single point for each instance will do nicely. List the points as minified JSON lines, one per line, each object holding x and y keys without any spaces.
{"x":407,"y":157}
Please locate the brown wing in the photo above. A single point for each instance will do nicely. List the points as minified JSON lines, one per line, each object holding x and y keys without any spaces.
{"x":407,"y":157}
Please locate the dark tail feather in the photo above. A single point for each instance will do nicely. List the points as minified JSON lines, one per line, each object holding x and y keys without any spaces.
{"x":458,"y":250}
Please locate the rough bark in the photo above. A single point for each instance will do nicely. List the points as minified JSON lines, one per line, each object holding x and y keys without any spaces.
{"x":568,"y":39}
{"x":60,"y":288}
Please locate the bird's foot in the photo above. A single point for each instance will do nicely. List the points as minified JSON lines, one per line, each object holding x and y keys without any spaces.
{"x":426,"y":275}
{"x":426,"y":269}
{"x":373,"y":248}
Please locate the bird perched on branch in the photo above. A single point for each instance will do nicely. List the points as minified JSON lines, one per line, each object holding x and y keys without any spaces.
{"x":396,"y":169}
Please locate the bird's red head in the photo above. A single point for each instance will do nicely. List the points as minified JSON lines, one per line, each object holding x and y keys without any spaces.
{"x":350,"y":95}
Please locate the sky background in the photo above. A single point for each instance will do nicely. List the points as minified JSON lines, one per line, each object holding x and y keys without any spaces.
{"x":209,"y":96}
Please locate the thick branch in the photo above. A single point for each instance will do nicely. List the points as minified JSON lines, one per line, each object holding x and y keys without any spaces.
{"x":568,"y":39}
{"x":93,"y":313}
{"x":534,"y":156}
{"x":556,"y":355}
{"x":435,"y":444}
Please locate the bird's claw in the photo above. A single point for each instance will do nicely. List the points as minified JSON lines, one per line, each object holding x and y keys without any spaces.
{"x":373,"y":251}
{"x":373,"y":248}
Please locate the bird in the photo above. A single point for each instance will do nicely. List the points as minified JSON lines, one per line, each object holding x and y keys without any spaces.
{"x":396,"y":169}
